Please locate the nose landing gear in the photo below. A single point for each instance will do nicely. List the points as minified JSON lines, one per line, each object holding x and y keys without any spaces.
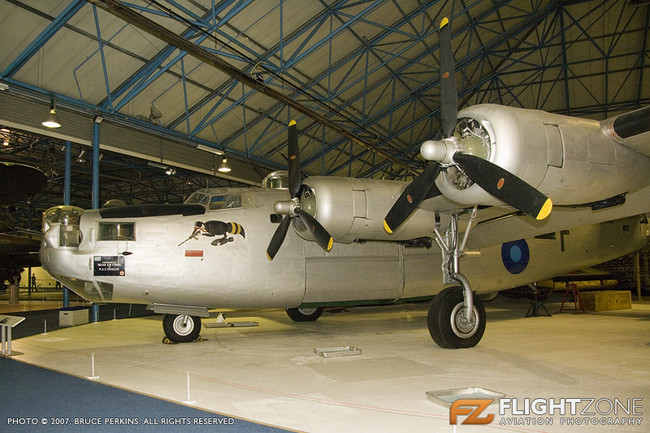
{"x":181,"y":328}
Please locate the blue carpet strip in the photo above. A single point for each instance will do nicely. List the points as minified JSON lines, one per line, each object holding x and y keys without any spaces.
{"x":35,"y":399}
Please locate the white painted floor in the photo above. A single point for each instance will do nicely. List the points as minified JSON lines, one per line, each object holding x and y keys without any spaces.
{"x":271,"y":374}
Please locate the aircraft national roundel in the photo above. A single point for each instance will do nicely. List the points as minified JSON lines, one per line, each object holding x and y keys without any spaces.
{"x":515,"y":256}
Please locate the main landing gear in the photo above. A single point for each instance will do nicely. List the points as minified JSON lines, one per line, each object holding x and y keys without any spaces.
{"x":456,"y":318}
{"x":448,"y":323}
{"x":304,"y":314}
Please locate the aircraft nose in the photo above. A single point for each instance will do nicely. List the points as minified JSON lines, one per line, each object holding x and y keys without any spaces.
{"x":61,"y":226}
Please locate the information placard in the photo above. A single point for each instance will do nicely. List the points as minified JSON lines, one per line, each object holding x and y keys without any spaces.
{"x":108,"y":266}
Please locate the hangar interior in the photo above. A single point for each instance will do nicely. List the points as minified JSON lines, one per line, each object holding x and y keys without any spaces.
{"x":369,"y":68}
{"x":361,"y":78}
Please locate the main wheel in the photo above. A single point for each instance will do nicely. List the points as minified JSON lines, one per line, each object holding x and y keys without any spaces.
{"x":304,"y":314}
{"x":181,"y":328}
{"x":447,"y":321}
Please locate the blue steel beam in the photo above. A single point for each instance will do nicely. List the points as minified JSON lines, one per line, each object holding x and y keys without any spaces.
{"x":412,"y":100}
{"x":95,"y":140}
{"x":91,"y":110}
{"x":101,"y":53}
{"x":204,"y":56}
{"x":618,"y":106}
{"x":273,"y":52}
{"x":43,"y":38}
{"x":431,"y":82}
{"x":152,"y":70}
{"x":343,"y":62}
{"x":502,"y":39}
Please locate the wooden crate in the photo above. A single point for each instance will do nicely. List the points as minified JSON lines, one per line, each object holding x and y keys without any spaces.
{"x":606,"y":300}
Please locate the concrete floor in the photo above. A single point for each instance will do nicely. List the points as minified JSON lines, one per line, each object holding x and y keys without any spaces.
{"x":271,"y":374}
{"x":40,"y":299}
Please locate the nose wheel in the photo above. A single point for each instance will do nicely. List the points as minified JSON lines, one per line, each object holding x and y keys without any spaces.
{"x":181,"y":328}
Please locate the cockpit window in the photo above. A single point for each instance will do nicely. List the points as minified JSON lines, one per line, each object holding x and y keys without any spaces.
{"x":225,"y":201}
{"x":116,"y":231}
{"x":197,"y":197}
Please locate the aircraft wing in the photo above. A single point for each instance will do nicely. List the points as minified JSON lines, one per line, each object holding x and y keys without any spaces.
{"x":18,"y":251}
{"x":497,"y":225}
{"x":630,"y":129}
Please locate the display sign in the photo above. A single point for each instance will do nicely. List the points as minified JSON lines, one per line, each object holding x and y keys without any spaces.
{"x":108,"y":266}
{"x":10,"y":321}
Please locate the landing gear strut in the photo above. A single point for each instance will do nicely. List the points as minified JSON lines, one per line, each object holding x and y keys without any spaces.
{"x":456,"y":319}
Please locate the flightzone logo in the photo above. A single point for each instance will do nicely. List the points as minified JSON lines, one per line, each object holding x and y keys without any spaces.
{"x":472,"y":408}
{"x":548,"y":411}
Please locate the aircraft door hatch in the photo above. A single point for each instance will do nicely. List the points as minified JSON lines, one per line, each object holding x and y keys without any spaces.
{"x":555,"y":145}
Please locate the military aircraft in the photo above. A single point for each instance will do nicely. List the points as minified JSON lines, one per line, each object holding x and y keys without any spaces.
{"x":496,"y":175}
{"x":18,"y":246}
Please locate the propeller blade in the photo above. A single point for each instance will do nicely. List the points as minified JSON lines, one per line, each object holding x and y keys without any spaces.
{"x":278,"y":238}
{"x":322,"y":237}
{"x":421,"y":188}
{"x":294,"y":160}
{"x":448,"y":93}
{"x":505,"y":186}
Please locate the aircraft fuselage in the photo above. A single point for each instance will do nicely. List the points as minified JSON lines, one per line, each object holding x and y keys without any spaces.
{"x":216,"y":259}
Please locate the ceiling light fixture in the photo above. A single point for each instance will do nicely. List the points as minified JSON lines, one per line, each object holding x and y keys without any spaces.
{"x":157,"y":165}
{"x":224,"y":167}
{"x":52,"y":121}
{"x":209,"y":149}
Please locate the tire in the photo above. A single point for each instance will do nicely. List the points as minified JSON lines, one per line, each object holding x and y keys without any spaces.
{"x":447,"y":323}
{"x":304,"y":314}
{"x":181,"y":328}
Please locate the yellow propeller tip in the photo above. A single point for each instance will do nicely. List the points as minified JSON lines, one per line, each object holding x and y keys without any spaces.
{"x":269,"y":257}
{"x":330,"y":244}
{"x":388,"y":230}
{"x":292,"y":122}
{"x":545,"y":210}
{"x":444,"y":22}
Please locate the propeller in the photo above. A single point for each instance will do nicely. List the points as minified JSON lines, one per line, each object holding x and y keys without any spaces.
{"x":496,"y":181}
{"x":505,"y":186}
{"x":293,"y":208}
{"x":422,"y":187}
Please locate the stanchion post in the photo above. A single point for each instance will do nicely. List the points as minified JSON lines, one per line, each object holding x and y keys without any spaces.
{"x":92,"y":368}
{"x":188,"y":401}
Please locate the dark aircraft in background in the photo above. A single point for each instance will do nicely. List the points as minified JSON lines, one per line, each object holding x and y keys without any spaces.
{"x":18,"y":247}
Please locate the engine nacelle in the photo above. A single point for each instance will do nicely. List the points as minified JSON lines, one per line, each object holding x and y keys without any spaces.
{"x":571,"y":160}
{"x":354,"y":209}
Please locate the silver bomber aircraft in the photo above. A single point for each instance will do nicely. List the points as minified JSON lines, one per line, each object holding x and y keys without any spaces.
{"x":513,"y":195}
